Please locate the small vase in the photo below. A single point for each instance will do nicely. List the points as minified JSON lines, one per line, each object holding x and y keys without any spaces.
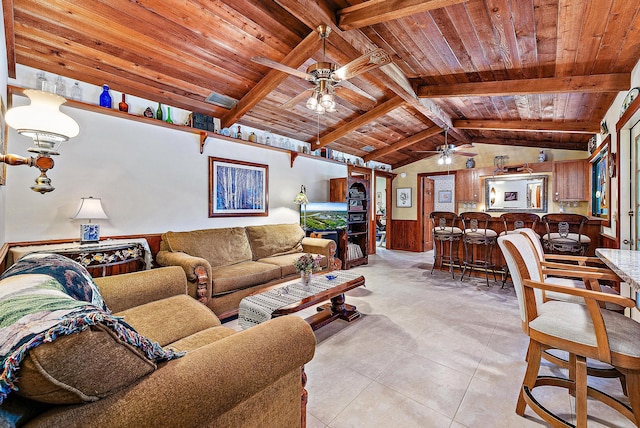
{"x":123,"y":106}
{"x":305,"y":277}
{"x":105,"y":97}
{"x":169,"y":120}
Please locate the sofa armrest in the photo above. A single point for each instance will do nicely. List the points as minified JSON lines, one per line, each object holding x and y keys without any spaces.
{"x":198,"y":271}
{"x":325,"y":247}
{"x":121,"y":292}
{"x":206,"y":383}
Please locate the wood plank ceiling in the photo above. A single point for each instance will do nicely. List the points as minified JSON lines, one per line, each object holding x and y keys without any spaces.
{"x":540,"y":73}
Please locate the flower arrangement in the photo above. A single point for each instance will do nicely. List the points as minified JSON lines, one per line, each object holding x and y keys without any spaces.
{"x":307,"y":263}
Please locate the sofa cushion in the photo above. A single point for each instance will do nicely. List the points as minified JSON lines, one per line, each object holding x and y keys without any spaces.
{"x":286,"y":262}
{"x":202,"y":338}
{"x":275,"y":239}
{"x":220,"y":247}
{"x":171,"y":319}
{"x":242,"y":275}
{"x":95,"y":364}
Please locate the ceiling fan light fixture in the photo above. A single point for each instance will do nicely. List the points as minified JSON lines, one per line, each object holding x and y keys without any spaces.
{"x":327,"y":100}
{"x":312,"y":102}
{"x":447,"y":160}
{"x":441,"y":160}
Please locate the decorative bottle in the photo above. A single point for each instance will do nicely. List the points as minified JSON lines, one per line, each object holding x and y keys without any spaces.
{"x":542,"y":156}
{"x":169,"y":115}
{"x":105,"y":97}
{"x":76,"y":92}
{"x":41,"y":81}
{"x":159,"y":112}
{"x":60,"y":87}
{"x":239,"y":134}
{"x":123,"y":106}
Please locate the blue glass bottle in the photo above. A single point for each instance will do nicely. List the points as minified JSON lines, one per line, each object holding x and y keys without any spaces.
{"x":105,"y":97}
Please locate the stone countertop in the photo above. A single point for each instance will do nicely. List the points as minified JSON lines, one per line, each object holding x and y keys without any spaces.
{"x":625,"y":263}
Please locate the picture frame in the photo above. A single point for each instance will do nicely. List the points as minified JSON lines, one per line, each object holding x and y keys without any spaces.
{"x":510,"y":196}
{"x":601,"y":182}
{"x":237,"y":188}
{"x":445,"y":196}
{"x":403,"y":197}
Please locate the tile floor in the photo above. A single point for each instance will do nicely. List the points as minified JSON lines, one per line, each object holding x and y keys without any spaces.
{"x":429,"y":352}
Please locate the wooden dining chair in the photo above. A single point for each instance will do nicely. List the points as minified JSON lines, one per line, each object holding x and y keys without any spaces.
{"x":584,"y":331}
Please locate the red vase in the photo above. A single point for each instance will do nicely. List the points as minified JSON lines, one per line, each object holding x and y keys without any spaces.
{"x":123,"y":106}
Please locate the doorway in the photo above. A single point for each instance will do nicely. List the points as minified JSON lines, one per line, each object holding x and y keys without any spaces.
{"x":427,"y":208}
{"x":381,"y":195}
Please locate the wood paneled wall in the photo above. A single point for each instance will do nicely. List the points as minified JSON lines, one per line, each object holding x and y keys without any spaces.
{"x":406,"y":236}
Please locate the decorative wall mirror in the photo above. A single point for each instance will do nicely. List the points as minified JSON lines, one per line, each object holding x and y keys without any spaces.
{"x":522,"y":194}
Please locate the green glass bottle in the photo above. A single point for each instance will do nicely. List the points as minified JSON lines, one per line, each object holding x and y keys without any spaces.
{"x":169,"y":115}
{"x":159,"y":112}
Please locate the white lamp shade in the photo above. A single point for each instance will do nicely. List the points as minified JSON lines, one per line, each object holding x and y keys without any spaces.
{"x":90,"y":209}
{"x":42,"y":117}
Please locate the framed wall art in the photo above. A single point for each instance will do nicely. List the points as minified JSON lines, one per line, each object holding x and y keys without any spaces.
{"x":238,"y":189}
{"x":403,"y":197}
{"x":600,"y":182}
{"x":445,"y":196}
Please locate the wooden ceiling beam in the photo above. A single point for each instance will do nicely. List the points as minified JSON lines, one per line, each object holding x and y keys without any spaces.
{"x":543,"y":144}
{"x":416,"y":138}
{"x":361,"y":120}
{"x":305,"y":49}
{"x":529,"y":126}
{"x":614,"y":82}
{"x":10,"y":37}
{"x":375,"y":12}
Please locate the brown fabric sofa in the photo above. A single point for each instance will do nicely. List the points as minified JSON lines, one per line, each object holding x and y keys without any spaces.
{"x":227,"y":264}
{"x":226,"y":379}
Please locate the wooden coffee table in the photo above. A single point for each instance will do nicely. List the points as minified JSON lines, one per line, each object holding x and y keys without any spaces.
{"x":294,"y":297}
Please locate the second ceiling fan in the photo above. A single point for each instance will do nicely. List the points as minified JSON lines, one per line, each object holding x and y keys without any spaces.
{"x":446,"y":151}
{"x":326,"y":76}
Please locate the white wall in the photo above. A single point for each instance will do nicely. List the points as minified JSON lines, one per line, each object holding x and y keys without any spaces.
{"x":151,"y":179}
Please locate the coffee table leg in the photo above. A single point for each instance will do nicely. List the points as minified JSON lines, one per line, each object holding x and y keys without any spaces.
{"x":340,"y":309}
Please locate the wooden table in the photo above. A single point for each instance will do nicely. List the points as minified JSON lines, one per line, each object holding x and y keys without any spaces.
{"x":294,"y":297}
{"x":625,"y":263}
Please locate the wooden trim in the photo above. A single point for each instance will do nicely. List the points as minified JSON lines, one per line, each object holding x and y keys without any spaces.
{"x":530,"y":126}
{"x":10,"y":37}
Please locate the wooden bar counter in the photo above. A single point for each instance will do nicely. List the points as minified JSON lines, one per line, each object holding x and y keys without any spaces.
{"x":591,"y":229}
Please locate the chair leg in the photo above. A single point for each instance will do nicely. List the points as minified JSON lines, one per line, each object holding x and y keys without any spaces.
{"x":633,"y":392}
{"x":581,"y":391}
{"x":533,"y":367}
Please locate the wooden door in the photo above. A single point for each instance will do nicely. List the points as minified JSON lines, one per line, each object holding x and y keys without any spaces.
{"x":427,"y":208}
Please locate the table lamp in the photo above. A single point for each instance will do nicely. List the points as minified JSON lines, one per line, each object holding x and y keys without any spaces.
{"x":301,"y":199}
{"x":90,"y":209}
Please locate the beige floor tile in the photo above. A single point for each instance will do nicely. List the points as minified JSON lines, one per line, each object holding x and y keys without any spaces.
{"x":380,"y":406}
{"x":427,"y":382}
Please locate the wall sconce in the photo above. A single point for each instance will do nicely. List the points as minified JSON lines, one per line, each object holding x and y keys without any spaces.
{"x":90,"y":209}
{"x":301,"y":199}
{"x":42,"y":121}
{"x":492,"y":194}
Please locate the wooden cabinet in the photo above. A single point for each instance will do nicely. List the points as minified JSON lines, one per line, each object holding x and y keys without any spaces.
{"x":353,"y":248}
{"x":468,"y":185}
{"x":571,"y":180}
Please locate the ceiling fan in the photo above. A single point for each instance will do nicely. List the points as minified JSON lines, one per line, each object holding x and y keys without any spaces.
{"x":446,"y":151}
{"x":326,"y":76}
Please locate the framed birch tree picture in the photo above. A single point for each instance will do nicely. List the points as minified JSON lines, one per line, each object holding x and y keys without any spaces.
{"x":238,"y":189}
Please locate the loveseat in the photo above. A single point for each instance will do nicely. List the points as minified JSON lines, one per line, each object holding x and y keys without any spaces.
{"x":225,"y":265}
{"x":95,"y":378}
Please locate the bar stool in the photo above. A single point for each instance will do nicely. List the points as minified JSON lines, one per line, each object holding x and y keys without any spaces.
{"x":511,"y":223}
{"x":564,"y":234}
{"x":478,"y":239}
{"x":445,"y":230}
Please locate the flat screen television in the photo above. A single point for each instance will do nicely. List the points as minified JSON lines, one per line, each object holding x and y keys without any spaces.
{"x":325,"y":216}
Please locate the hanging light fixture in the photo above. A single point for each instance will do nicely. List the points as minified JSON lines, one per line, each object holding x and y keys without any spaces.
{"x":322,"y":99}
{"x":42,"y":121}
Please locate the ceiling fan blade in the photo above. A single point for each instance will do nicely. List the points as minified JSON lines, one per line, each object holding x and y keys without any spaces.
{"x":366,"y":62}
{"x":353,"y":97}
{"x":298,"y":98}
{"x":467,"y":154}
{"x":280,"y":67}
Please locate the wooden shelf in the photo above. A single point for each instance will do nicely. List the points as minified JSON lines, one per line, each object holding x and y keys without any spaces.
{"x":15,"y":90}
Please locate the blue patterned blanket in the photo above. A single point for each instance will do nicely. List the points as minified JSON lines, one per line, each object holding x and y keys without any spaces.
{"x":43,"y":296}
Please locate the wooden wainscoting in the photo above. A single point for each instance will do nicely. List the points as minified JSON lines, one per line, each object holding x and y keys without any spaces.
{"x":607,"y":241}
{"x":406,"y":235}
